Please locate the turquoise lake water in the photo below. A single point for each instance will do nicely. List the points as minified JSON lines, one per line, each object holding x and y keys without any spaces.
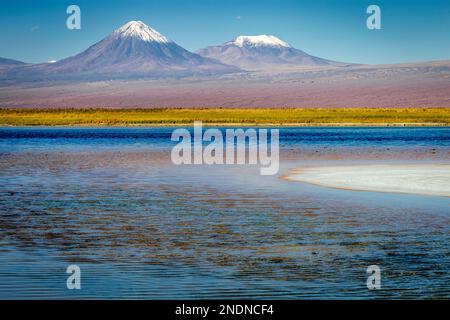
{"x":110,"y":201}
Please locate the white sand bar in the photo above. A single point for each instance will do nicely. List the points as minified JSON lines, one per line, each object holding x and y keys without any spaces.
{"x":428,"y":179}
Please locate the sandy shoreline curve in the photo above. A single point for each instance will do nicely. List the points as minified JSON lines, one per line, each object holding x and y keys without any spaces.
{"x":424,"y":179}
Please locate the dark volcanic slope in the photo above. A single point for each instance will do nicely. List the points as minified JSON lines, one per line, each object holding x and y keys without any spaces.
{"x":6,"y":63}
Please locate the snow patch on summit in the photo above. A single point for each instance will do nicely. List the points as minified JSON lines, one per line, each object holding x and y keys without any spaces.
{"x":261,"y":40}
{"x":138,"y":29}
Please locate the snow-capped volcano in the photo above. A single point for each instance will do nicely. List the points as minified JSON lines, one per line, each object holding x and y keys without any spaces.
{"x":263,"y":52}
{"x":133,"y":50}
{"x":258,"y":41}
{"x":138,"y":29}
{"x":137,"y":49}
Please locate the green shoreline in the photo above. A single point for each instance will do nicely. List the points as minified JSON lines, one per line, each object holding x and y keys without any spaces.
{"x":228,"y":117}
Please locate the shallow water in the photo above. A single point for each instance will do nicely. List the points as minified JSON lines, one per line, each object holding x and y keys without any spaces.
{"x":110,"y":201}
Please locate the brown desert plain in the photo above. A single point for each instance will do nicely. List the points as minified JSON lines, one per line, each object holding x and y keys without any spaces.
{"x":409,"y":85}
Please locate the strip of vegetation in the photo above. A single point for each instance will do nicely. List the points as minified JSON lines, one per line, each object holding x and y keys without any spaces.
{"x":218,"y":116}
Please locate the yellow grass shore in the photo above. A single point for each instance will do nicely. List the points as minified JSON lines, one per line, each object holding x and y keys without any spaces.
{"x":219,"y":116}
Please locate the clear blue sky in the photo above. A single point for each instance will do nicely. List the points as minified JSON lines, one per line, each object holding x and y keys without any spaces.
{"x":35,"y":30}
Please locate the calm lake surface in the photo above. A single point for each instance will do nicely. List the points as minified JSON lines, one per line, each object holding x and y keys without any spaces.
{"x":110,"y":201}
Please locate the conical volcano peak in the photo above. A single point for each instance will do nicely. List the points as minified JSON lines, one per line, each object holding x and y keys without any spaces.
{"x":138,"y":29}
{"x":134,"y":50}
{"x":261,"y":40}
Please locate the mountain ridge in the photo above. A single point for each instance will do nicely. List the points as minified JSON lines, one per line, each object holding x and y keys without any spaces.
{"x":136,"y":50}
{"x":5,"y":62}
{"x":263,"y":52}
{"x":133,"y":50}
